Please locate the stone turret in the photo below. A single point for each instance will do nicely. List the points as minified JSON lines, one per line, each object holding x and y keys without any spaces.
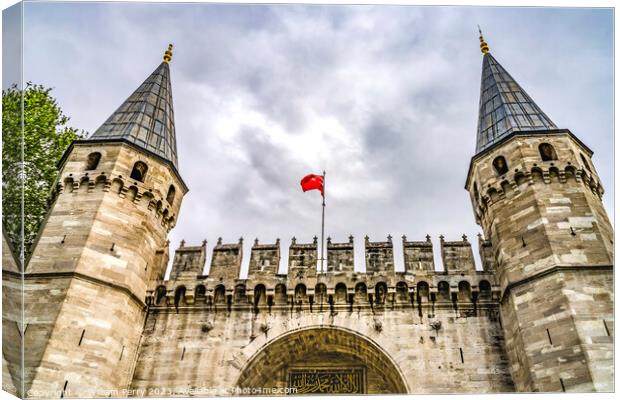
{"x":105,"y":239}
{"x":538,"y":198}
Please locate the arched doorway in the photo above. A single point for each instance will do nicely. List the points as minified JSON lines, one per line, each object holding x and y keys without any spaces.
{"x":322,"y":360}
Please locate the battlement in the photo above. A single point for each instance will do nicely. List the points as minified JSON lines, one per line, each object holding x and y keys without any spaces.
{"x":418,"y":283}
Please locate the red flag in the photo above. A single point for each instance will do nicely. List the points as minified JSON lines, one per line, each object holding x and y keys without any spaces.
{"x":311,"y":182}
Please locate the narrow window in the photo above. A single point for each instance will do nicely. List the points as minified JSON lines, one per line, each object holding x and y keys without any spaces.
{"x":138,"y":172}
{"x":500,"y":165}
{"x":171,"y":193}
{"x":549,"y":336}
{"x":547,"y":152}
{"x":122,"y":351}
{"x":585,"y":162}
{"x":183,"y":354}
{"x":82,"y":337}
{"x":461,"y":351}
{"x":93,"y":161}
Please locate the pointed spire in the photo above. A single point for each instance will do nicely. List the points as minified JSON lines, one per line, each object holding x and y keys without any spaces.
{"x":146,"y":118}
{"x":505,"y":107}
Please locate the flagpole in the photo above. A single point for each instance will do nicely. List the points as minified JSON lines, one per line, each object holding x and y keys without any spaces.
{"x":323,"y":225}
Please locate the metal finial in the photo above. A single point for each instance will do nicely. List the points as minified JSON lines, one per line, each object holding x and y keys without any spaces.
{"x":256,"y":242}
{"x":183,"y":243}
{"x":484,"y":47}
{"x":168,"y":54}
{"x":204,"y":243}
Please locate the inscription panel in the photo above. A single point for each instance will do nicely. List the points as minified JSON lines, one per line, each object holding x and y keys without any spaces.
{"x":320,"y":380}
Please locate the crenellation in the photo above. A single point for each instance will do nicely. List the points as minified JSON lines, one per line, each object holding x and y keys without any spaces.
{"x":379,"y":256}
{"x":264,"y":260}
{"x":226,"y":261}
{"x":188,"y":261}
{"x":458,"y":257}
{"x":418,"y":256}
{"x":340,"y":256}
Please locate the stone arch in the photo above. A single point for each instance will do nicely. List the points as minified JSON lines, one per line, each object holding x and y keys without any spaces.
{"x":506,"y":188}
{"x":340,"y":293}
{"x":179,"y":296}
{"x":160,"y":293}
{"x":500,"y":165}
{"x":171,"y":193}
{"x":92,"y":161}
{"x":537,"y":174}
{"x":443,"y":288}
{"x":273,"y":363}
{"x":547,"y":152}
{"x":464,"y":293}
{"x":402,"y":292}
{"x":380,"y":293}
{"x":260,"y":295}
{"x":422,"y":290}
{"x":239,"y":293}
{"x":585,"y":162}
{"x":485,"y":289}
{"x":361,"y":293}
{"x":320,"y":293}
{"x":138,"y":172}
{"x":219,"y":294}
{"x":520,"y":179}
{"x":554,"y":174}
{"x":280,"y":294}
{"x":570,"y":173}
{"x":300,"y":294}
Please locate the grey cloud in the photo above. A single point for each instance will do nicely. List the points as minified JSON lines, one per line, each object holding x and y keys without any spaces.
{"x":384,"y":98}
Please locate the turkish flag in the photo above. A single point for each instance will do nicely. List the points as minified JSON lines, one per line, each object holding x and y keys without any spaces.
{"x":311,"y":182}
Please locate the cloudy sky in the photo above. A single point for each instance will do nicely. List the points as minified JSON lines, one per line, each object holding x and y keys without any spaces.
{"x":384,"y":98}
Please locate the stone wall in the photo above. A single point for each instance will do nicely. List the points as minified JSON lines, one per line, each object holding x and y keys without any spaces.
{"x":434,"y":332}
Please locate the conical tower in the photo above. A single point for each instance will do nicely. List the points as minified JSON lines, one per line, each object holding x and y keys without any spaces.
{"x":538,"y":198}
{"x":105,"y":238}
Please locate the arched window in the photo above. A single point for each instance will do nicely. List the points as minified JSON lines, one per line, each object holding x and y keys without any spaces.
{"x":170,"y":196}
{"x":585,"y":162}
{"x":281,"y":296}
{"x":93,"y":161}
{"x":179,"y":295}
{"x":220,"y":294}
{"x":341,"y":293}
{"x":500,"y":165}
{"x":139,"y":171}
{"x":380,"y":292}
{"x":485,"y":289}
{"x":300,"y":293}
{"x":547,"y":152}
{"x":260,"y":297}
{"x":443,"y":288}
{"x":160,"y":294}
{"x":320,"y":292}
